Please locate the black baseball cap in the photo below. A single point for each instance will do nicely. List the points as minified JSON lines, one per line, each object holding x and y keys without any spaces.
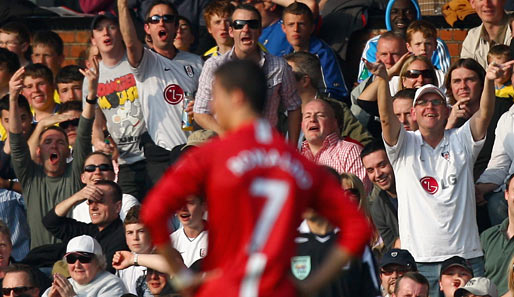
{"x":399,"y":257}
{"x":100,"y":17}
{"x":455,"y":261}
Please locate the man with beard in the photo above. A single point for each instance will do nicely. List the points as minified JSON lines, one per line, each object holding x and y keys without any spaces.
{"x":394,"y":264}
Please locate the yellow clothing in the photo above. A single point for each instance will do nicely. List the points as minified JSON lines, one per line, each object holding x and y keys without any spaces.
{"x":505,"y":92}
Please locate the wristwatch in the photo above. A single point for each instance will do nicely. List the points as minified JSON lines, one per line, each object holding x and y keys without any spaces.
{"x":92,"y":101}
{"x":135,"y":258}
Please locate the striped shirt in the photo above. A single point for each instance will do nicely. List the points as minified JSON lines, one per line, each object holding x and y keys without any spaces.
{"x":279,"y":77}
{"x":341,"y":155}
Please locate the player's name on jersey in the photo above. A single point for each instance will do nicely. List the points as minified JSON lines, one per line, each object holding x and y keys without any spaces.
{"x":262,"y":158}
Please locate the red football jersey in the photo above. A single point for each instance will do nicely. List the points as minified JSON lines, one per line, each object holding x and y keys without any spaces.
{"x":256,"y":188}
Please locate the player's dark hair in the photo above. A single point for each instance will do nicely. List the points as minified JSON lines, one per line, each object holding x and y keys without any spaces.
{"x":415,"y":276}
{"x":469,"y":64}
{"x":118,"y":194}
{"x":71,"y":105}
{"x":22,"y":103}
{"x":40,"y":71}
{"x":10,"y":60}
{"x":246,"y":76}
{"x":132,"y":216}
{"x":157,"y":2}
{"x":298,"y":8}
{"x":248,"y":7}
{"x":375,"y":145}
{"x":69,"y":74}
{"x":405,"y":93}
{"x":50,"y":39}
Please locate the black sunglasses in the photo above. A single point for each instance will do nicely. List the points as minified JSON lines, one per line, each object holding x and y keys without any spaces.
{"x":167,"y":18}
{"x":239,"y":24}
{"x":399,"y":270}
{"x":17,"y":290}
{"x":66,"y":124}
{"x":82,"y":257}
{"x":416,"y":73}
{"x":102,"y":167}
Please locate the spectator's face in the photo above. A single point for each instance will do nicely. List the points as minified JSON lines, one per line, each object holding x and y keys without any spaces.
{"x":389,"y":51}
{"x":453,"y":278}
{"x":5,"y":250}
{"x":83,"y":273}
{"x":414,"y":79}
{"x":245,"y":38}
{"x":156,"y":281}
{"x":53,"y":150}
{"x":298,"y":29}
{"x":47,"y":56}
{"x":70,"y":127}
{"x":107,"y":37}
{"x":38,"y":91}
{"x":318,"y":122}
{"x":379,"y":170}
{"x":402,"y":14}
{"x":410,"y":288}
{"x":26,"y":121}
{"x":402,"y":108}
{"x":465,"y":83}
{"x":10,"y":41}
{"x":90,"y":178}
{"x":138,"y":238}
{"x":19,"y":279}
{"x":162,"y":33}
{"x":218,"y":28}
{"x":5,"y":76}
{"x":184,"y":38}
{"x":421,"y":45}
{"x":489,"y":11}
{"x":431,"y":116}
{"x":70,"y":91}
{"x":191,"y":215}
{"x":389,"y":274}
{"x":104,"y":211}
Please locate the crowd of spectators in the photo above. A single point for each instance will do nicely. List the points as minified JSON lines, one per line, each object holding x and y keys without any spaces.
{"x":421,"y":144}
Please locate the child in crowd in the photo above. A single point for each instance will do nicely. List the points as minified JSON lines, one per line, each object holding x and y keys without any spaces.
{"x":39,"y":90}
{"x":47,"y":49}
{"x":500,"y":54}
{"x":15,"y":37}
{"x":421,"y":39}
{"x":69,"y":83}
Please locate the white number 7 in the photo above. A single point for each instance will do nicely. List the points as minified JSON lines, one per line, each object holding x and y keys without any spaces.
{"x":275,"y":191}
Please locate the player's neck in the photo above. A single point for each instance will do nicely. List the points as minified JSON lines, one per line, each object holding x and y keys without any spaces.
{"x":242,"y":118}
{"x":320,"y":226}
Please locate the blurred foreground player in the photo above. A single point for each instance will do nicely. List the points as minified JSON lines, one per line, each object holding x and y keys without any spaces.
{"x":256,"y":188}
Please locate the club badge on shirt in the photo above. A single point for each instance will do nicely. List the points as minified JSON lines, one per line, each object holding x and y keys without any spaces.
{"x":189,"y":70}
{"x":301,"y":266}
{"x":446,"y":155}
{"x":203,"y":252}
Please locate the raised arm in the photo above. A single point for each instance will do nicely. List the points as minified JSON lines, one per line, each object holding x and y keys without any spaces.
{"x":15,"y":86}
{"x":481,"y":119}
{"x":390,"y":124}
{"x":92,"y":78}
{"x":88,"y":192}
{"x":128,"y":31}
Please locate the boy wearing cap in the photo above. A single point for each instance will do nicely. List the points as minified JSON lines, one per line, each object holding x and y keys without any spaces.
{"x":477,"y":286}
{"x":394,"y":264}
{"x":455,"y":273}
{"x":86,"y":265}
{"x":436,"y":165}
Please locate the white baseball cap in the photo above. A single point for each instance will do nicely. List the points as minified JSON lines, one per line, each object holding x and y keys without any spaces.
{"x":480,"y":286}
{"x":84,"y":244}
{"x":426,"y":89}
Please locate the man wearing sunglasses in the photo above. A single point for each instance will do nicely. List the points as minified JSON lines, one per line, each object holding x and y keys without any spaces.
{"x":281,"y":90}
{"x":104,"y":201}
{"x":394,"y":264}
{"x":19,"y":280}
{"x":435,"y":165}
{"x":166,"y":75}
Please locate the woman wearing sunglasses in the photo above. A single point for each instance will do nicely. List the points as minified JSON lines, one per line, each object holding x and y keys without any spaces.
{"x":86,"y":266}
{"x":416,"y":72}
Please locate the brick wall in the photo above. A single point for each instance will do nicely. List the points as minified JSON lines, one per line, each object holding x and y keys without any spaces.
{"x":453,"y":39}
{"x":75,"y":43}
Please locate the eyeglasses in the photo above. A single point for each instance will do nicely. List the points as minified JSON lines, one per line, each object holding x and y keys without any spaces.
{"x":424,"y":102}
{"x":239,"y":24}
{"x":83,"y":258}
{"x":416,"y":73}
{"x":167,"y":18}
{"x":390,"y":270}
{"x":102,"y":167}
{"x":17,"y":290}
{"x":66,"y":124}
